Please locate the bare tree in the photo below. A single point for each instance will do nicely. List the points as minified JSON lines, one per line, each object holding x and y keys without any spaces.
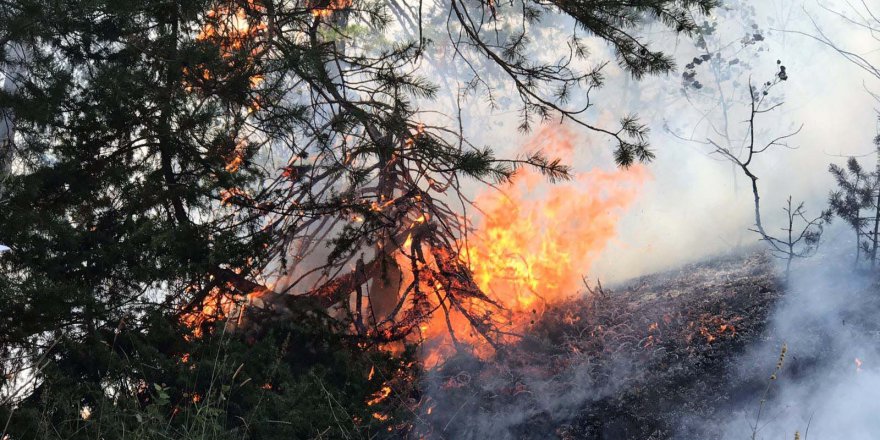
{"x":798,"y":241}
{"x":859,"y":15}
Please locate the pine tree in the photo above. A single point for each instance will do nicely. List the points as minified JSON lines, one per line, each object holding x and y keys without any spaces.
{"x":170,"y":158}
{"x":857,"y":202}
{"x":854,"y":196}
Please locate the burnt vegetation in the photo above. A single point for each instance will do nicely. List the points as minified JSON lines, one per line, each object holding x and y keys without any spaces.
{"x":636,"y":361}
{"x":238,"y":218}
{"x":216,"y":208}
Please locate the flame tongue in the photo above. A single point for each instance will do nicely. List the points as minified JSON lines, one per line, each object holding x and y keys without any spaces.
{"x":537,"y":239}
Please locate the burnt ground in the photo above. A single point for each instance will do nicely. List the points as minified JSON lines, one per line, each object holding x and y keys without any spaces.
{"x":686,"y":354}
{"x":691,"y":324}
{"x":640,"y":362}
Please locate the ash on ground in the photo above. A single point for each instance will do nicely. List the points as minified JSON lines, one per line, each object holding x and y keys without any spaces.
{"x":679,"y":355}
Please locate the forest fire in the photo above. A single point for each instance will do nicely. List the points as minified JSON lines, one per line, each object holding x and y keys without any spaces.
{"x":535,"y":241}
{"x":532,"y":244}
{"x":260,"y":219}
{"x":529,"y":250}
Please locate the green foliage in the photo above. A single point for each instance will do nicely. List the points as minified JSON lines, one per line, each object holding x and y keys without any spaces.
{"x":857,"y":202}
{"x":159,"y":159}
{"x":294,"y":379}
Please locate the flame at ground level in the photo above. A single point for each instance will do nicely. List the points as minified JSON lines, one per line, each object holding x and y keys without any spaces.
{"x":536,"y":240}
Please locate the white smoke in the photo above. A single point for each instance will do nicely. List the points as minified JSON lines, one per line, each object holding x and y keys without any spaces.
{"x":830,"y":380}
{"x":697,"y":206}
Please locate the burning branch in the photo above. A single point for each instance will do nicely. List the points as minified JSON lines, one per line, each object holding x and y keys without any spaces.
{"x":377,"y":183}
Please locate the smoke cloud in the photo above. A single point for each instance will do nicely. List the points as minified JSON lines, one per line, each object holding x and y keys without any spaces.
{"x":697,"y":205}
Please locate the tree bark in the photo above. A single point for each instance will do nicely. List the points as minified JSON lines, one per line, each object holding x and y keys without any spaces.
{"x":14,"y":70}
{"x":876,"y":225}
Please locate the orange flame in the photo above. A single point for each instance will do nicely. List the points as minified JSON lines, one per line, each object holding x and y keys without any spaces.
{"x":379,"y":396}
{"x":331,"y":7}
{"x":536,"y":240}
{"x":219,"y":304}
{"x":233,"y":27}
{"x":238,"y":31}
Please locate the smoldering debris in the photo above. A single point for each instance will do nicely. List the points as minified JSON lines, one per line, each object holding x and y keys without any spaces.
{"x":688,"y":354}
{"x":830,"y":383}
{"x":635,"y":362}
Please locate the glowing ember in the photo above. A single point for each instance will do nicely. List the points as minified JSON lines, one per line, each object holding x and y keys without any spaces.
{"x":713,"y":327}
{"x":379,"y":396}
{"x":324,"y":9}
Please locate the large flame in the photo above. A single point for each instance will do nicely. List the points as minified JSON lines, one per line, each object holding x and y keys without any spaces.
{"x":535,"y":240}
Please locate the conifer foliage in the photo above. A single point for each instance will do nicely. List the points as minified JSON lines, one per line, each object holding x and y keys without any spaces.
{"x":165,"y":159}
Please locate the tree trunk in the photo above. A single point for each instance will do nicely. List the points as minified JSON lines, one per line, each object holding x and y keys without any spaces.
{"x":858,"y":227}
{"x":14,"y":68}
{"x":876,"y":228}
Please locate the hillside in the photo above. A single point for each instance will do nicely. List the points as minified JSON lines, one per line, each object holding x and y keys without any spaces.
{"x":636,"y":362}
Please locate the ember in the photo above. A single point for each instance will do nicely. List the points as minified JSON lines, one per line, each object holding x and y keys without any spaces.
{"x":326,"y":8}
{"x":379,"y":396}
